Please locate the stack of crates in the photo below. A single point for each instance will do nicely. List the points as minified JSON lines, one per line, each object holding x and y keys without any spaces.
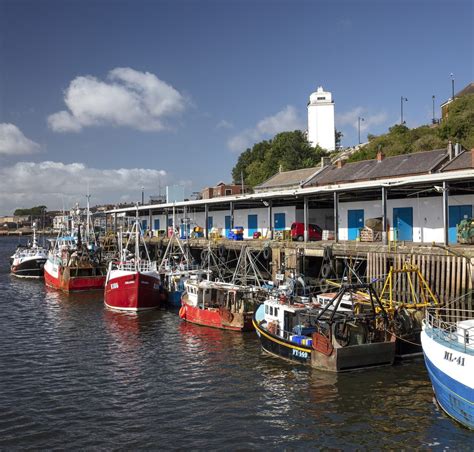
{"x":236,"y":233}
{"x":301,"y":340}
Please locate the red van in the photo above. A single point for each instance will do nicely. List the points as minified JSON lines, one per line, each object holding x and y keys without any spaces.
{"x":297,"y":232}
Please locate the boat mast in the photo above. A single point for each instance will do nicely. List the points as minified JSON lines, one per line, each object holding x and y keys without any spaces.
{"x":137,"y":236}
{"x":88,"y":218}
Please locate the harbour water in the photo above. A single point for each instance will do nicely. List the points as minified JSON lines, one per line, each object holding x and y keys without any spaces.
{"x":76,"y":376}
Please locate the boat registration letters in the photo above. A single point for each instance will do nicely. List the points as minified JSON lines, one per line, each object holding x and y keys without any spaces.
{"x":448,"y":356}
{"x":300,"y":354}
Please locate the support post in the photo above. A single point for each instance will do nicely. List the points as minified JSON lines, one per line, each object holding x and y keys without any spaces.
{"x":384,"y":216}
{"x":206,"y":220}
{"x":336,"y":216}
{"x":446,"y":213}
{"x":150,"y":221}
{"x":167,"y":220}
{"x":231,"y":215}
{"x":270,"y":219}
{"x":115,"y":222}
{"x":305,"y":216}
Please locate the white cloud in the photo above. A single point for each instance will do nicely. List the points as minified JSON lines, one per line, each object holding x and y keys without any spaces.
{"x":27,"y":184}
{"x":223,"y":124}
{"x":129,"y":98}
{"x":352,"y":118}
{"x":13,"y":142}
{"x":285,"y":120}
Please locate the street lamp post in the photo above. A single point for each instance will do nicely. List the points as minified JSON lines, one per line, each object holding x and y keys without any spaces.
{"x":402,"y":99}
{"x":359,"y":120}
{"x":452,"y":86}
{"x":434,"y":119}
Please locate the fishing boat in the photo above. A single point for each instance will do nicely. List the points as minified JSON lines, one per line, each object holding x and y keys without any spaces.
{"x":326,"y":337}
{"x":28,"y":261}
{"x":133,"y":283}
{"x":218,"y":304}
{"x":448,"y":348}
{"x":75,"y":260}
{"x":225,"y":305}
{"x":73,"y":266}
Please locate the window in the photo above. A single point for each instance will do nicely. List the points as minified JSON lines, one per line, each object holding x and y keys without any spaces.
{"x":266,"y":309}
{"x":276,"y":312}
{"x":228,"y":191}
{"x":321,"y":98}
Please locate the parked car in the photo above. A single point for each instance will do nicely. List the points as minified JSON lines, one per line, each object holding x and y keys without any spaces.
{"x":297,"y":232}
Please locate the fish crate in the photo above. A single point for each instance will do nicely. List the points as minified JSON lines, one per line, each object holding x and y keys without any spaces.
{"x":327,"y":235}
{"x":369,"y":235}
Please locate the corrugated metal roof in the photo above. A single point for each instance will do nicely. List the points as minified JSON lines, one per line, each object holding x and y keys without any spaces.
{"x":288,"y":178}
{"x":399,"y":165}
{"x":464,"y":160}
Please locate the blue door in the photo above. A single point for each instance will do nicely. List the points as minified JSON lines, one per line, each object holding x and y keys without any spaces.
{"x":355,"y":221}
{"x":252,"y":221}
{"x":144,"y":225}
{"x":403,"y":223}
{"x":227,"y":225}
{"x":456,"y":215}
{"x":279,"y":221}
{"x":210,"y":222}
{"x":157,"y":224}
{"x":170,"y":222}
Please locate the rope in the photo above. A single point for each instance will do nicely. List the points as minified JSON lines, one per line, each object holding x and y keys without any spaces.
{"x":401,"y":338}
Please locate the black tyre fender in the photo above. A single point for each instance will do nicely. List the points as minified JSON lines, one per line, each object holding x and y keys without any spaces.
{"x":221,"y":251}
{"x":266,"y":253}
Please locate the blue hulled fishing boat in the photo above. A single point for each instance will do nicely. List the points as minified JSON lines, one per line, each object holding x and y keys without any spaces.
{"x":448,"y":347}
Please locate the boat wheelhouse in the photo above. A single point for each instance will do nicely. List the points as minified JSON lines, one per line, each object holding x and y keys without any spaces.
{"x":448,"y":348}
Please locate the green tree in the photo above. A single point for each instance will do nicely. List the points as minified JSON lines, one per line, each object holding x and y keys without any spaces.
{"x":286,"y":151}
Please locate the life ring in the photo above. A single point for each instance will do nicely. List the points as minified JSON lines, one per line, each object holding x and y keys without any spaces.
{"x":159,"y":253}
{"x":266,"y":253}
{"x":204,"y":255}
{"x":282,"y":299}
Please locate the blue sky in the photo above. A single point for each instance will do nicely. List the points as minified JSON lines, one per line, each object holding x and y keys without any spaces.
{"x":116,"y":95}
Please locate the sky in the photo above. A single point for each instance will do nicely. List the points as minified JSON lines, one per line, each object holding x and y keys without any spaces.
{"x":112,"y":97}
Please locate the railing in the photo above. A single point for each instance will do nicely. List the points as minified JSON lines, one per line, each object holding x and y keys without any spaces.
{"x":140,"y":266}
{"x":454,"y":333}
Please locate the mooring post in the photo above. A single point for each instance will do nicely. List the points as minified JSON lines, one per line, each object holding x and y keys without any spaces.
{"x":384,"y":216}
{"x":206,"y":221}
{"x":446,"y":213}
{"x":336,"y":216}
{"x":305,"y":215}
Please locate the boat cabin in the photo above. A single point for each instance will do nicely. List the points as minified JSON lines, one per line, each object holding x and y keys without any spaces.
{"x":286,"y":320}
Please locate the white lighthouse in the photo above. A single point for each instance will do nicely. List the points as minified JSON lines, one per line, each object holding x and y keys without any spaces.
{"x":321,"y":129}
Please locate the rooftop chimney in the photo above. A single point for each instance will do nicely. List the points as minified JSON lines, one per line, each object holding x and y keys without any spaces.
{"x":341,"y":163}
{"x":380,"y":156}
{"x":457,"y":149}
{"x":450,"y":150}
{"x":325,"y":161}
